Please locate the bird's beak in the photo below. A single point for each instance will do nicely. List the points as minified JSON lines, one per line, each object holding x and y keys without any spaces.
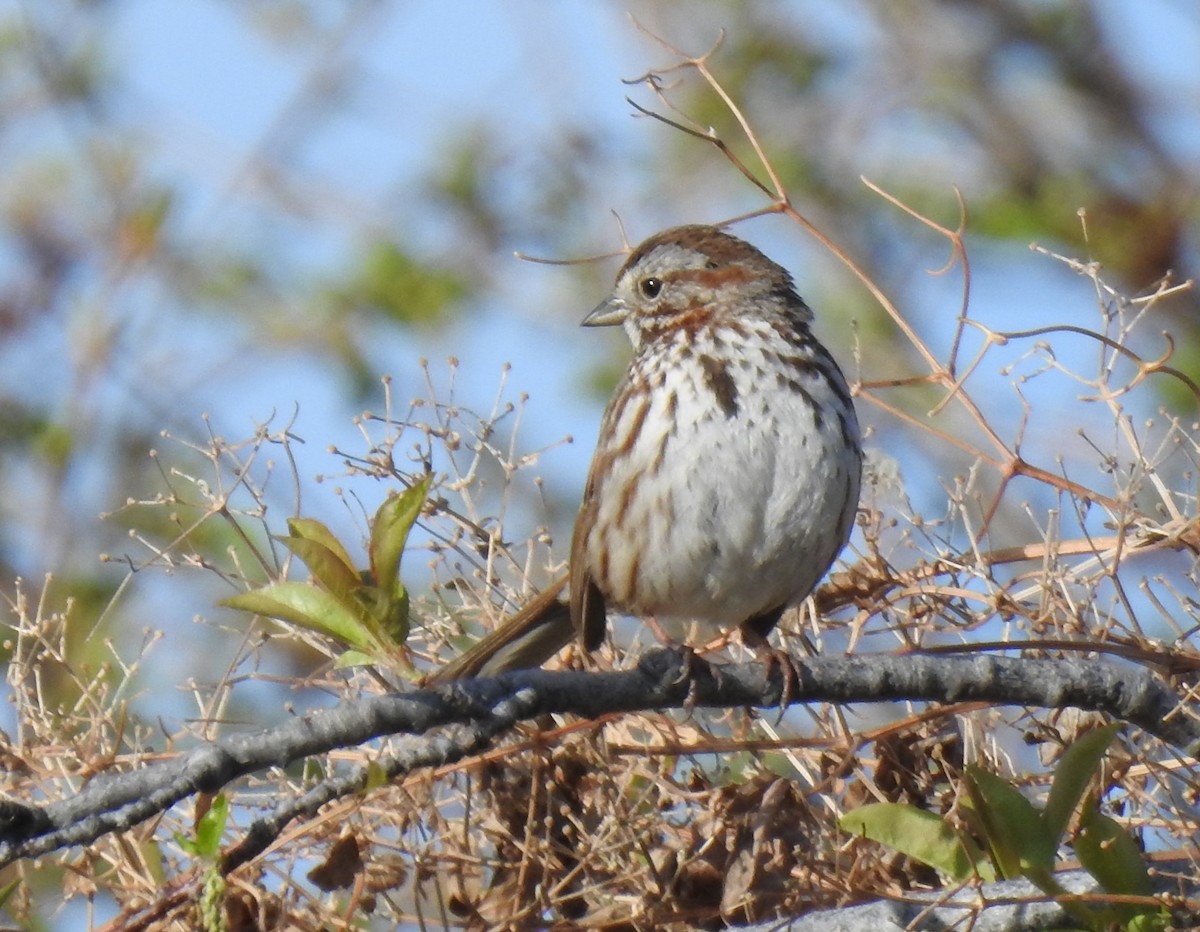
{"x":608,"y":313}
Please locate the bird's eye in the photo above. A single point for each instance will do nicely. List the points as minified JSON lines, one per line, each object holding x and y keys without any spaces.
{"x":650,"y":287}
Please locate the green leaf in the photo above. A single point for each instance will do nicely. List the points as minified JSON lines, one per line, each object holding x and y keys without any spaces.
{"x":318,"y":533}
{"x":394,"y":617}
{"x":313,"y":770}
{"x":1110,"y":854}
{"x":376,"y":777}
{"x":8,"y":890}
{"x":395,"y":661}
{"x":388,"y":619}
{"x":779,"y":764}
{"x":1157,"y":921}
{"x":207,"y":841}
{"x":211,"y":827}
{"x":389,"y":533}
{"x":353,"y":658}
{"x":1016,"y":836}
{"x":153,"y":860}
{"x":326,"y":566}
{"x":919,"y":834}
{"x":1075,"y":770}
{"x":309,"y":607}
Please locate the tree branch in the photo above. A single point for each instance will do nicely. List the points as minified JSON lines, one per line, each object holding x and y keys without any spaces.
{"x":465,"y":716}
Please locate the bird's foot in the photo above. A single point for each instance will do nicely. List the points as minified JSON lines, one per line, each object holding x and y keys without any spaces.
{"x":769,"y":657}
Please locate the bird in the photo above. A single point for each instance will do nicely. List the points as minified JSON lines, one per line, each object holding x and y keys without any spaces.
{"x":726,"y":474}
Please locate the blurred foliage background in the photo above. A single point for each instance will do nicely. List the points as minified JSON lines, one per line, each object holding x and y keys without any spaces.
{"x":246,"y":209}
{"x":217,"y":215}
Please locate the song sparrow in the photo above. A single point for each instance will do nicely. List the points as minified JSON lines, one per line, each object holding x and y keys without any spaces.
{"x":726,"y":475}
